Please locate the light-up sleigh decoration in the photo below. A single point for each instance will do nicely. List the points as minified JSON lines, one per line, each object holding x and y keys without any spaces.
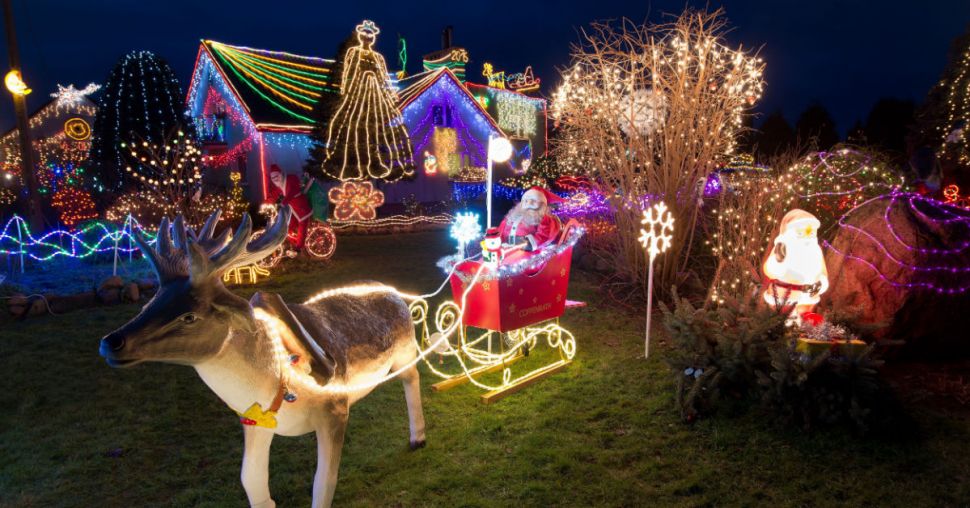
{"x":502,"y":313}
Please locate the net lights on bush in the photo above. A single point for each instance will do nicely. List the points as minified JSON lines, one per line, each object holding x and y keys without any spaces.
{"x":655,"y":238}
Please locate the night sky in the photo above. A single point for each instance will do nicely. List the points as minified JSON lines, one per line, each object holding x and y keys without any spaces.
{"x":843,"y":54}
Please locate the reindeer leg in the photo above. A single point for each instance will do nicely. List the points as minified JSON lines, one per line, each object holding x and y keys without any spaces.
{"x":412,"y":394}
{"x":330,"y":442}
{"x":255,"y":466}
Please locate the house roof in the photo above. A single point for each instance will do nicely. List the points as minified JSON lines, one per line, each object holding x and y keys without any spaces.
{"x":414,"y":86}
{"x":277,"y":88}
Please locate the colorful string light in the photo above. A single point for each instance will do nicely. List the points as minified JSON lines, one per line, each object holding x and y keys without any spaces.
{"x":94,"y":238}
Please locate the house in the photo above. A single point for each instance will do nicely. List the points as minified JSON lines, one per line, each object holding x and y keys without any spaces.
{"x":252,"y":108}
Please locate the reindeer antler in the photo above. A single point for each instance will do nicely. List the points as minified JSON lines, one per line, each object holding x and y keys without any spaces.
{"x":205,"y":237}
{"x":240,"y":251}
{"x":203,"y":255}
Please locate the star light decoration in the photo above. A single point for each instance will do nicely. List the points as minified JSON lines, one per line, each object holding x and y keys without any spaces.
{"x":656,"y":239}
{"x":70,"y":96}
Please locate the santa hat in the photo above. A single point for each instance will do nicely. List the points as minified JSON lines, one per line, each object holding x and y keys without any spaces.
{"x":549,"y":196}
{"x":798,"y":218}
{"x":492,"y":232}
{"x":275,"y":169}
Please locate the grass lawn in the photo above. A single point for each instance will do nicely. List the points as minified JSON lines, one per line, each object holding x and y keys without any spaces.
{"x":604,"y":432}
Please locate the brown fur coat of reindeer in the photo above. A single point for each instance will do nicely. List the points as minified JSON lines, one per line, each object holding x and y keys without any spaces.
{"x":349,"y":339}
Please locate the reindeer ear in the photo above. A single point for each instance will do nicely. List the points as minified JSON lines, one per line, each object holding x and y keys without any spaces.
{"x":238,"y":310}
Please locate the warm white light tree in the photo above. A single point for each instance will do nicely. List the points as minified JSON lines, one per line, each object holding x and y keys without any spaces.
{"x":648,"y":110}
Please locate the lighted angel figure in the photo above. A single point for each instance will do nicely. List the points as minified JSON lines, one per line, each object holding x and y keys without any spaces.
{"x":366,"y":138}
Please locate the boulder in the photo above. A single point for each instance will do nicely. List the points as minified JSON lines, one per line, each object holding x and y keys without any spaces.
{"x":146,"y":284}
{"x":130,"y":293}
{"x":113,"y":282}
{"x":109,"y":296}
{"x":73,"y":302}
{"x":902,"y":262}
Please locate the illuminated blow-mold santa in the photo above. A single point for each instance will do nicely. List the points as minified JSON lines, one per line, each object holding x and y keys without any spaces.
{"x":290,"y":193}
{"x":529,"y":223}
{"x":795,"y":269}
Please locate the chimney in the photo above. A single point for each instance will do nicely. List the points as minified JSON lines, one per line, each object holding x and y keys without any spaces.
{"x":446,"y":37}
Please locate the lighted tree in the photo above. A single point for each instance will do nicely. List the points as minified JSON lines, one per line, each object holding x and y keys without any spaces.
{"x":141,"y":99}
{"x":366,"y":137}
{"x":650,"y":109}
{"x":324,"y":110}
{"x":944,"y":117}
{"x":169,"y":176}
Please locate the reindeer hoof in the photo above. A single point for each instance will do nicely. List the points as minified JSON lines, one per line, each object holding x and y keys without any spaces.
{"x":417,"y":444}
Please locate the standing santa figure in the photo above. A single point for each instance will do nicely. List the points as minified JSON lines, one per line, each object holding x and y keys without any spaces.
{"x":288,"y":190}
{"x":795,"y":273}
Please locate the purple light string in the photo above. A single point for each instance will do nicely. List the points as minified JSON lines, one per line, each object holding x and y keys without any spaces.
{"x":911,"y":200}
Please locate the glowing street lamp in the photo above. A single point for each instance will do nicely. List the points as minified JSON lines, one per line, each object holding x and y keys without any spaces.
{"x":655,"y":237}
{"x":499,"y":150}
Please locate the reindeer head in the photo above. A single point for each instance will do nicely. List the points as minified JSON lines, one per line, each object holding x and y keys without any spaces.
{"x":190,"y":316}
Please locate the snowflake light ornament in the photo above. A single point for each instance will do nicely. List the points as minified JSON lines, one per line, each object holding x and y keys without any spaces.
{"x":465,"y":229}
{"x":656,"y":236}
{"x":656,"y":239}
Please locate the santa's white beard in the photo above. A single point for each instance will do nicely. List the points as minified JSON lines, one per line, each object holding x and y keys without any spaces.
{"x":521,"y":215}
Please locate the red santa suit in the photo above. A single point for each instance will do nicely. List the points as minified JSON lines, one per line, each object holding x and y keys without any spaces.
{"x":292,"y":196}
{"x":517,"y":231}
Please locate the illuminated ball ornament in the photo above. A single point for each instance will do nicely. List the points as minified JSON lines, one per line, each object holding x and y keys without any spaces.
{"x":353,"y":200}
{"x":500,"y":149}
{"x":643,"y":113}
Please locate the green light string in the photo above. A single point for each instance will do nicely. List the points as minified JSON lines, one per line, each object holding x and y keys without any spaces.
{"x":285,"y":90}
{"x":259,"y":92}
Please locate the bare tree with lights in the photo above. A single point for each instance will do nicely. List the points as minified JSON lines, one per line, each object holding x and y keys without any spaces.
{"x":649,"y":110}
{"x":169,"y":181}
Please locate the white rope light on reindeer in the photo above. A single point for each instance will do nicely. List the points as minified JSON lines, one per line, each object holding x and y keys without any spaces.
{"x":655,"y":237}
{"x":438,"y":342}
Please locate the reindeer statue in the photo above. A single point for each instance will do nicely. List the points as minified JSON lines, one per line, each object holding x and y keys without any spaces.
{"x":350,"y":340}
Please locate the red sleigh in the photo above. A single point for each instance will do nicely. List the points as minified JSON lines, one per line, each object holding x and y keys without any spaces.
{"x":503,"y":302}
{"x":516,"y":307}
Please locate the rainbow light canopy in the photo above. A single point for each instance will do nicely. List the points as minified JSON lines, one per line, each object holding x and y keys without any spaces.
{"x":275,"y":85}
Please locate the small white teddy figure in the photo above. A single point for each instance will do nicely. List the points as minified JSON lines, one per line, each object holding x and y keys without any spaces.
{"x":795,"y":270}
